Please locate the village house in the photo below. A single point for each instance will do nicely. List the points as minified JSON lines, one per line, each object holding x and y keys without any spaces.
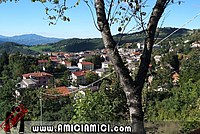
{"x":36,"y":79}
{"x":82,"y":59}
{"x":136,"y":56}
{"x":195,"y":44}
{"x":104,"y":68}
{"x":100,"y":72}
{"x":42,"y":63}
{"x":73,"y":69}
{"x":86,"y":66}
{"x":157,"y":58}
{"x":66,"y":63}
{"x":129,"y":60}
{"x":27,"y":83}
{"x":140,"y":46}
{"x":79,"y":77}
{"x":105,"y":65}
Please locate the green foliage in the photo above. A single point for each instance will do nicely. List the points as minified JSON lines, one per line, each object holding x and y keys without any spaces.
{"x":105,"y":105}
{"x":66,"y":78}
{"x":190,"y":67}
{"x":19,"y":64}
{"x":181,"y":102}
{"x":7,"y":99}
{"x":30,"y":100}
{"x":3,"y":61}
{"x":91,"y":77}
{"x":11,"y":47}
{"x":189,"y":126}
{"x":181,"y":105}
{"x":57,"y":109}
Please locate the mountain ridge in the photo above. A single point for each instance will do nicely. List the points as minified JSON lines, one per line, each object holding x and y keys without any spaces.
{"x":29,"y":39}
{"x":78,"y":44}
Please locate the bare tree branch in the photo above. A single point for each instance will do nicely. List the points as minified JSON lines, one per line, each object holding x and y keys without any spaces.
{"x":110,"y":8}
{"x":93,"y":18}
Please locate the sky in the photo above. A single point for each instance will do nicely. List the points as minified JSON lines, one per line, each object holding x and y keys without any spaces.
{"x":26,"y":17}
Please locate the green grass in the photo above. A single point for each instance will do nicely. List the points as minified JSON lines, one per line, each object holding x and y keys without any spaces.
{"x":41,"y":48}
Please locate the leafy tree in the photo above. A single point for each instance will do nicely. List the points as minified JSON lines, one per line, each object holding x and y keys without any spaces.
{"x":190,"y":67}
{"x":7,"y":100}
{"x":66,"y":78}
{"x":91,"y":77}
{"x":57,"y":108}
{"x":3,"y":60}
{"x":108,"y":104}
{"x":181,"y":104}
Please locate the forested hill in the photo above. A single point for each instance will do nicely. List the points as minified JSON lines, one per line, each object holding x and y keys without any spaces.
{"x":11,"y":47}
{"x":76,"y":44}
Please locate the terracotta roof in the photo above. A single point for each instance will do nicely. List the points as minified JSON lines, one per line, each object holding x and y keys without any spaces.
{"x":42,"y":61}
{"x":86,"y":63}
{"x":136,"y":53}
{"x":37,"y":74}
{"x":79,"y":73}
{"x":53,"y":58}
{"x":62,"y":90}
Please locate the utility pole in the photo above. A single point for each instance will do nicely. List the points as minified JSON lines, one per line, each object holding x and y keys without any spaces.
{"x":40,"y":107}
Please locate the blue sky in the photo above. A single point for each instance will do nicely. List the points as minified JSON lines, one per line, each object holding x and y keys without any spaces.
{"x":25,"y":17}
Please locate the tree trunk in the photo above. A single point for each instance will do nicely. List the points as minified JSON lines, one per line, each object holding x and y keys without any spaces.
{"x":132,"y":89}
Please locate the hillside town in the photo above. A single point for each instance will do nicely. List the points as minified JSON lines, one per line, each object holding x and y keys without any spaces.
{"x":118,"y":66}
{"x":67,"y":82}
{"x":79,"y":64}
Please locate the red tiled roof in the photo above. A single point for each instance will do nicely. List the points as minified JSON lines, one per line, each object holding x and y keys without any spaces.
{"x":53,"y":58}
{"x":62,"y":90}
{"x":136,"y":53}
{"x":79,"y":73}
{"x":42,"y":61}
{"x":86,"y":63}
{"x":37,"y":74}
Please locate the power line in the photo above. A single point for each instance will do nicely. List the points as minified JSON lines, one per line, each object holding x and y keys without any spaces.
{"x":178,"y":28}
{"x":86,"y":87}
{"x":57,"y":95}
{"x":192,"y":19}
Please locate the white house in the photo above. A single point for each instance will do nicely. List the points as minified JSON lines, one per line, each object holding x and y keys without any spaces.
{"x":66,"y":63}
{"x":81,"y":59}
{"x":86,"y":66}
{"x":195,"y":44}
{"x":105,"y":65}
{"x":79,"y":77}
{"x":157,"y":58}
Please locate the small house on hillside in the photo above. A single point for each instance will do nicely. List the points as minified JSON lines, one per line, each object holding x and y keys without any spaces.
{"x":79,"y":77}
{"x":36,"y":79}
{"x":86,"y":66}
